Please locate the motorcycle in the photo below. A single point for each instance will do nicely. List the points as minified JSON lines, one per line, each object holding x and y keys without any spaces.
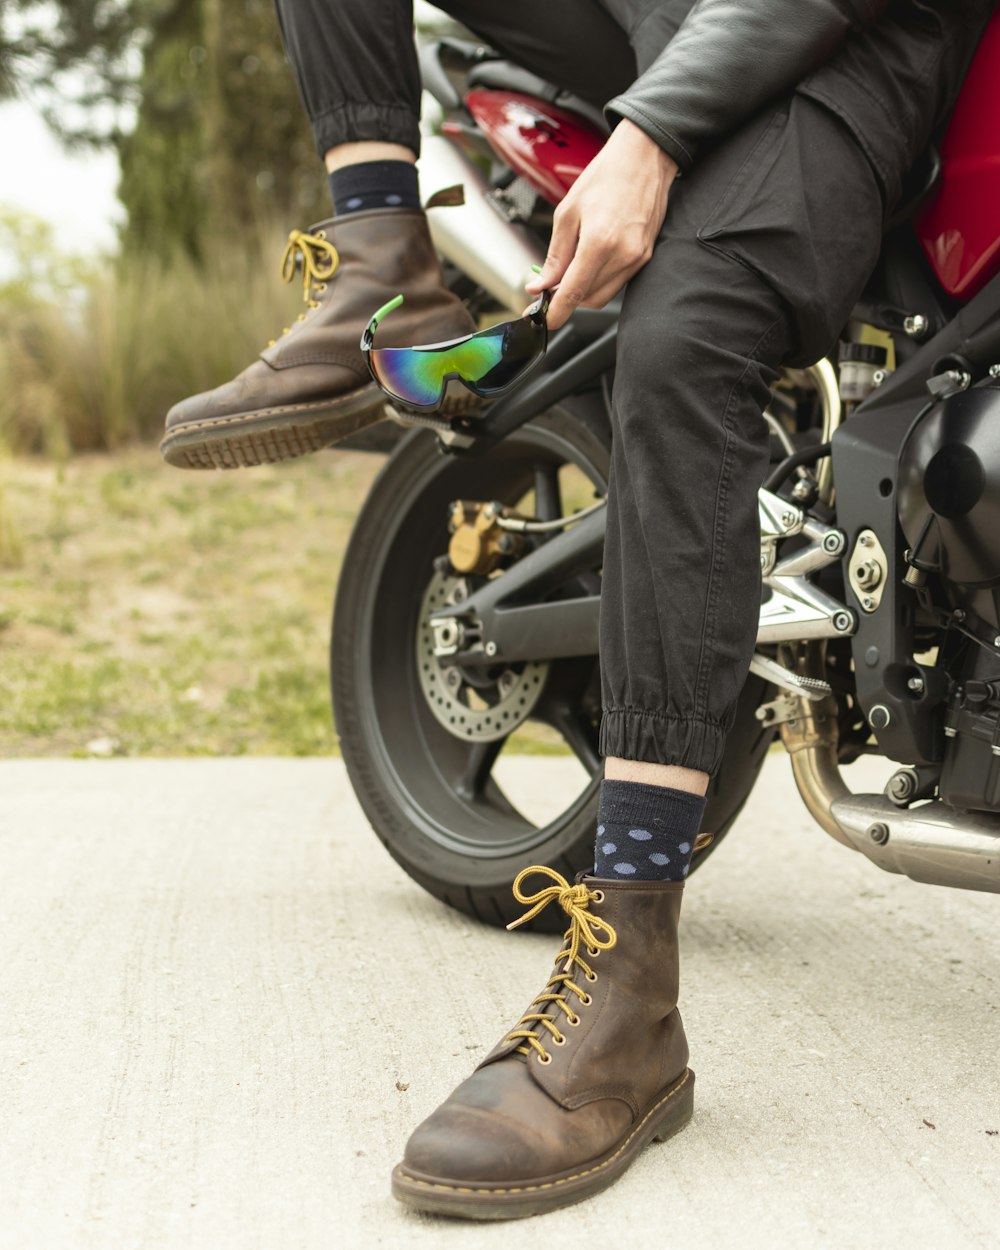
{"x":466,"y":618}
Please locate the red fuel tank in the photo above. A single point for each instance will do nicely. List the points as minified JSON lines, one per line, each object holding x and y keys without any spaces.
{"x":548,"y":145}
{"x":960,"y":230}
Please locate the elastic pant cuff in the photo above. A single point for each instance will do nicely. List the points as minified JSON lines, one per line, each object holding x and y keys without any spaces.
{"x":358,"y":122}
{"x":658,"y":738}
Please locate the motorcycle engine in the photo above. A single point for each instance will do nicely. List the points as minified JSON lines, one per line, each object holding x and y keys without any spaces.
{"x":949,"y":509}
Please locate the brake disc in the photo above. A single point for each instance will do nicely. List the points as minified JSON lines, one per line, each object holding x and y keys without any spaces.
{"x":483,"y":704}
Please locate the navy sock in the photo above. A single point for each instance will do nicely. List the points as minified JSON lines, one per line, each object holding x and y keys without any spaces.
{"x":374,"y":184}
{"x":645,"y":833}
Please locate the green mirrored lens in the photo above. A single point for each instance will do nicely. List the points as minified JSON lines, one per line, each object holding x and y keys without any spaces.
{"x":488,"y":361}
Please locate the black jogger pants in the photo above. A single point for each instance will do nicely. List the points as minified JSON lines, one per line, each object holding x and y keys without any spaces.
{"x":766,"y":246}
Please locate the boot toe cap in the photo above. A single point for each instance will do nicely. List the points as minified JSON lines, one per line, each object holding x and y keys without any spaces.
{"x":498,"y":1127}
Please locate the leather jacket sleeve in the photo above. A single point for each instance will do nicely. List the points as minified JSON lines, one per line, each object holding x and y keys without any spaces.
{"x":729,"y":58}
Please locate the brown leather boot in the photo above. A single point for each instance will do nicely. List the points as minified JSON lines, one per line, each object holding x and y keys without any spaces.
{"x":595,"y":1069}
{"x":311,"y":387}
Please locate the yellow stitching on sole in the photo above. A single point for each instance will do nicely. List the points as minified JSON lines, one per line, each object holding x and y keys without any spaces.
{"x":215,"y":422}
{"x":531,"y":1189}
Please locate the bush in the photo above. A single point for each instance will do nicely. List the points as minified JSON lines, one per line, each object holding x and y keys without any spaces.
{"x":91,"y":357}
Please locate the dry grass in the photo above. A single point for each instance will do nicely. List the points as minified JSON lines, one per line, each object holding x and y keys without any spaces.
{"x":94,"y":365}
{"x":162,"y":613}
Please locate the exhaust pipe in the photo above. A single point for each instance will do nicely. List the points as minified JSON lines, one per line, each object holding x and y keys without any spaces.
{"x":496,"y":254}
{"x":931,"y":843}
{"x":924,"y":843}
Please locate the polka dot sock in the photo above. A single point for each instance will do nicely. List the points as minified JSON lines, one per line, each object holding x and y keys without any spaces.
{"x":374,"y":184}
{"x":645,"y":833}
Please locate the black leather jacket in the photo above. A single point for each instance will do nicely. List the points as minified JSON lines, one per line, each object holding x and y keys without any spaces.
{"x":873,"y":62}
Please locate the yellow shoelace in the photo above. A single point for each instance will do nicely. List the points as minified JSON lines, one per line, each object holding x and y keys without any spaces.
{"x":319,"y":263}
{"x":584,"y":928}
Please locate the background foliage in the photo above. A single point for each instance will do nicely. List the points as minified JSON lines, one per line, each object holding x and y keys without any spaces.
{"x":219,"y":142}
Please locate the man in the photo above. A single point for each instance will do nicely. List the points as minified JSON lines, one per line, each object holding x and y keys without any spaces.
{"x":792,"y":123}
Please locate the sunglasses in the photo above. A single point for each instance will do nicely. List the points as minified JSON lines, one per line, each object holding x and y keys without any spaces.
{"x":487,"y":362}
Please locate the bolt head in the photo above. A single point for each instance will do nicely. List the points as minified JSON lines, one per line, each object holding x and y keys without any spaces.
{"x":996,"y":641}
{"x":916,"y":684}
{"x":879,"y":833}
{"x":490,"y":648}
{"x":995,"y":371}
{"x":880,"y":716}
{"x":901,"y":785}
{"x":915,"y":326}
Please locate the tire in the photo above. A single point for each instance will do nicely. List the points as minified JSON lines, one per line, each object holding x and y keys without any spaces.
{"x":430,"y":795}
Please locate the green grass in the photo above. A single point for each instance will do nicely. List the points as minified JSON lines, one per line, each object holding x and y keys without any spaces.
{"x":172,"y":614}
{"x":154,"y":612}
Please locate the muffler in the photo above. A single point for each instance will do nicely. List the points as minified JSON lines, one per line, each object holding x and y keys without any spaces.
{"x":496,"y":254}
{"x":932,"y":843}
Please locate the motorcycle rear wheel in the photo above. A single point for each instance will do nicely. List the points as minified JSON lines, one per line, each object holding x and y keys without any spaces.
{"x":437,"y":801}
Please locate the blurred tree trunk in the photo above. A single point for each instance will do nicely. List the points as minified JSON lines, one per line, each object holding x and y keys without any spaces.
{"x":259,"y":161}
{"x":220,"y":144}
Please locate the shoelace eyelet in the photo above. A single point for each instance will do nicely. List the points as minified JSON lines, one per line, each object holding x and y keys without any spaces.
{"x":546,"y":1058}
{"x":586,"y":1000}
{"x":593,"y":951}
{"x":573,"y":1020}
{"x":598,"y":896}
{"x":559,"y":1041}
{"x":591,"y":976}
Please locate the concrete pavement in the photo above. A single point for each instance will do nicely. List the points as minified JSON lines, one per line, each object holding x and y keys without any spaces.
{"x":222,"y":1008}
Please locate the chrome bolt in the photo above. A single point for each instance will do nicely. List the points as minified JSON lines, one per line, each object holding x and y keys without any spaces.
{"x":995,"y":371}
{"x":916,"y":684}
{"x":865,"y":540}
{"x":788,"y":519}
{"x":867,"y":603}
{"x":842,"y":622}
{"x":880,"y":716}
{"x":901,"y":785}
{"x":996,"y":641}
{"x":879,"y":833}
{"x":915,"y":326}
{"x":879,"y":376}
{"x":833,"y":543}
{"x":490,"y":648}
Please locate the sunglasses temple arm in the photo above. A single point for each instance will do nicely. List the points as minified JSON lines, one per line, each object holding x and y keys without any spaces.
{"x":368,"y":338}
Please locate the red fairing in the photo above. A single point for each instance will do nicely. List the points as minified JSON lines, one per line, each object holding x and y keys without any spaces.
{"x":960,"y":231}
{"x":549,"y":146}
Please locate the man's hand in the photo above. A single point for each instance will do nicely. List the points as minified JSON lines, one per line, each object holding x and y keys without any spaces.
{"x":605,"y":228}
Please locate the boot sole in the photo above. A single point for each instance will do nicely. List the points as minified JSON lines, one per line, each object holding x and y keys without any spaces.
{"x":244,"y":440}
{"x":669,"y":1113}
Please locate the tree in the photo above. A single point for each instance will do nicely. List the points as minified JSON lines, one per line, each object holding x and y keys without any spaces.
{"x":195,"y":96}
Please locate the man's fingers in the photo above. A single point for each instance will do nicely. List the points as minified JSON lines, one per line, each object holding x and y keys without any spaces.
{"x":562,"y":247}
{"x":579,"y":280}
